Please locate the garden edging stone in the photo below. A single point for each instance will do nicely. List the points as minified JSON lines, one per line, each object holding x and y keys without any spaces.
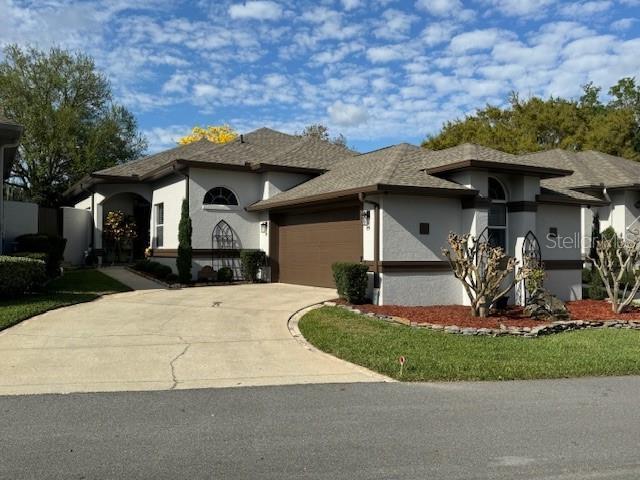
{"x":525,"y":332}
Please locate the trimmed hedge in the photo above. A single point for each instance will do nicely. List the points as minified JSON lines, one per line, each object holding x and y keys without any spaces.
{"x":251,"y":261}
{"x":351,"y":281}
{"x":155,"y":269}
{"x":225,"y":274}
{"x":20,"y":275}
{"x":51,"y":245}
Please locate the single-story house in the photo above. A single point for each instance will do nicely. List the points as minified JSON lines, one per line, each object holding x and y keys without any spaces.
{"x":10,"y":133}
{"x":308,"y":203}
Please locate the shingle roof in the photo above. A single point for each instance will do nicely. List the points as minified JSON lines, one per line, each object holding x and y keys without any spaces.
{"x":262,"y":146}
{"x":590,"y":169}
{"x":396,"y":166}
{"x":468,"y":155}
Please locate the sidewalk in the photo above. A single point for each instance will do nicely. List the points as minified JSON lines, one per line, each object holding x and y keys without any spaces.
{"x":131,"y":280}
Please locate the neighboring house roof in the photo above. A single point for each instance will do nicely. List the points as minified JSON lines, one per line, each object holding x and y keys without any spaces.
{"x":396,"y":168}
{"x":262,"y":149}
{"x":469,"y":155}
{"x":10,"y":133}
{"x":590,"y":169}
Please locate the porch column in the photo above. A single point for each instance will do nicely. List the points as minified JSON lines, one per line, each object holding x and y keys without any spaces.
{"x":97,"y":226}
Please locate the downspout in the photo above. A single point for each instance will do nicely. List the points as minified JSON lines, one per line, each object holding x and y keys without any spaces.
{"x":2,"y":149}
{"x":376,"y":238}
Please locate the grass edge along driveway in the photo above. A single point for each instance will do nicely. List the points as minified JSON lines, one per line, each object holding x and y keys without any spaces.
{"x":437,"y":356}
{"x":75,"y":286}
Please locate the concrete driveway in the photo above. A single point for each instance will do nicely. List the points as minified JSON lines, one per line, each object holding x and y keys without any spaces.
{"x":170,"y":339}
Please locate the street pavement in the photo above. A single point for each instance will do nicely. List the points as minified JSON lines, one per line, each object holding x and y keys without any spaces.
{"x":552,"y":430}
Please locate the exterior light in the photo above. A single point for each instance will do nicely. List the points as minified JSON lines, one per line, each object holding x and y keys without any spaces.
{"x":365,"y":216}
{"x":263,"y":227}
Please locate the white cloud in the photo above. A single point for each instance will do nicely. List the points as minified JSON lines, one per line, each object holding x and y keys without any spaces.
{"x":385,"y":54}
{"x":177,"y":83}
{"x":351,"y":4}
{"x":582,"y":9}
{"x":522,"y":8}
{"x":347,"y":115}
{"x":394,"y":24}
{"x":256,"y":9}
{"x":162,"y":138}
{"x":478,"y":40}
{"x":436,"y":33}
{"x":624,"y":23}
{"x":440,"y":8}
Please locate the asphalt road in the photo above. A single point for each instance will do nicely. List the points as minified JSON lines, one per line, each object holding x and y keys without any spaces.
{"x":560,"y":430}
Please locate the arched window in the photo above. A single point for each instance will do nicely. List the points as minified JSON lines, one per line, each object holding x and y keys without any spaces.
{"x":220,"y":196}
{"x":497,"y":214}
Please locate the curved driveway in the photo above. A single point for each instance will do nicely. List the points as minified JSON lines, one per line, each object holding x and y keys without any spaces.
{"x":165,"y":339}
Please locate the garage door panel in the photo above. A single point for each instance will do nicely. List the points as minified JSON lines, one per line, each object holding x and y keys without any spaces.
{"x":308,"y":244}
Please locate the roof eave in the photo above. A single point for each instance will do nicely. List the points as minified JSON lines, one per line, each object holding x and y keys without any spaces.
{"x":542,"y":172}
{"x":377,"y":188}
{"x":559,"y":199}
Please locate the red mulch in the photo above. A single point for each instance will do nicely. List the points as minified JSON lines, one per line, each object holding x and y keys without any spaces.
{"x":510,"y":317}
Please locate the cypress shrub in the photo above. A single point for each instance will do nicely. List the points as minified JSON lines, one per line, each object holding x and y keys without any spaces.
{"x":185,"y":252}
{"x":351,"y":281}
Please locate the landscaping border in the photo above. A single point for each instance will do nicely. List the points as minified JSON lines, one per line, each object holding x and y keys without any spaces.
{"x":526,"y":332}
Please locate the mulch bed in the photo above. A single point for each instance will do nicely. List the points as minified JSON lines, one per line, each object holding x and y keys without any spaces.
{"x":510,"y":317}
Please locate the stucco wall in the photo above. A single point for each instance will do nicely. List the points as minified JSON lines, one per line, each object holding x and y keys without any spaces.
{"x":418,"y":288}
{"x":76,"y":228}
{"x":19,"y":218}
{"x":276,"y":182}
{"x":248,"y":188}
{"x":565,"y":284}
{"x":401,"y":216}
{"x":567,"y":219}
{"x":169,"y":191}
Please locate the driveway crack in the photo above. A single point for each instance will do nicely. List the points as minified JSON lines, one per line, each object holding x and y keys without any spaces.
{"x":172,"y":364}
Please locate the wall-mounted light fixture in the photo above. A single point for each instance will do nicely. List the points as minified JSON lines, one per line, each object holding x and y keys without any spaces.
{"x":263,"y":227}
{"x":365,"y":216}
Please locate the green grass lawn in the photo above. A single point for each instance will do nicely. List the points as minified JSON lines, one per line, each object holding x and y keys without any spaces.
{"x":75,"y":286}
{"x":432,"y":355}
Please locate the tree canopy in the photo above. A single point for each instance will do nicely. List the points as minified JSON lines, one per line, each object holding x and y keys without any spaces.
{"x":213,"y":133}
{"x":72,"y":125}
{"x":321,"y":132}
{"x":535,"y":124}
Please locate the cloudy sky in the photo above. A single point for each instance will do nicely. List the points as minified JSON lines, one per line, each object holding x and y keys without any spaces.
{"x":378,"y":71}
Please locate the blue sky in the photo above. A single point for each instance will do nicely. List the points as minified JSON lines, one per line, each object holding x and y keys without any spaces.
{"x":378,"y":71}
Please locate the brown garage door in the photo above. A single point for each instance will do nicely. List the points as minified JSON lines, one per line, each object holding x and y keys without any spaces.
{"x":308,"y":243}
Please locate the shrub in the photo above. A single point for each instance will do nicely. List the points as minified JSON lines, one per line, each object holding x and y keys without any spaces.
{"x":52,"y":245}
{"x":32,"y":255}
{"x":586,"y":275}
{"x":185,"y":252}
{"x":141,"y":265}
{"x":351,"y":281}
{"x":172,"y":278}
{"x":251,"y":261}
{"x":596,"y":289}
{"x":19,"y":275}
{"x":225,"y":274}
{"x":159,"y":270}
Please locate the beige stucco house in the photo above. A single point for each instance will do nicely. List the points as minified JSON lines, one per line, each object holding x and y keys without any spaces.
{"x":308,"y":203}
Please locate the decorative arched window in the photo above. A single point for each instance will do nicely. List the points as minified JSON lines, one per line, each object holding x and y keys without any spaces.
{"x":220,"y":196}
{"x":497,"y":225}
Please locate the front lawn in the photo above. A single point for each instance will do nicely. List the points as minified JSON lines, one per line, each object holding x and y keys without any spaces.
{"x":432,"y":355}
{"x":75,"y":286}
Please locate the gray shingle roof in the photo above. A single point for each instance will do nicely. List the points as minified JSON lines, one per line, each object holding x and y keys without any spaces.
{"x":590,"y":169}
{"x":396,"y":166}
{"x":262,"y":146}
{"x":472,"y":155}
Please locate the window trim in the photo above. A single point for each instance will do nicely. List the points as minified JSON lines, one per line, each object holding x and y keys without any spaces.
{"x":156,"y":208}
{"x":219,"y":206}
{"x":504,"y":202}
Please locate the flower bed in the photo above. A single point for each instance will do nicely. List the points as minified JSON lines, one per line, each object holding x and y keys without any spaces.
{"x":511,"y":321}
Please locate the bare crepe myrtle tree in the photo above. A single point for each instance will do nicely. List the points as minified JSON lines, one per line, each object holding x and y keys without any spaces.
{"x":617,"y":261}
{"x":485,"y":271}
